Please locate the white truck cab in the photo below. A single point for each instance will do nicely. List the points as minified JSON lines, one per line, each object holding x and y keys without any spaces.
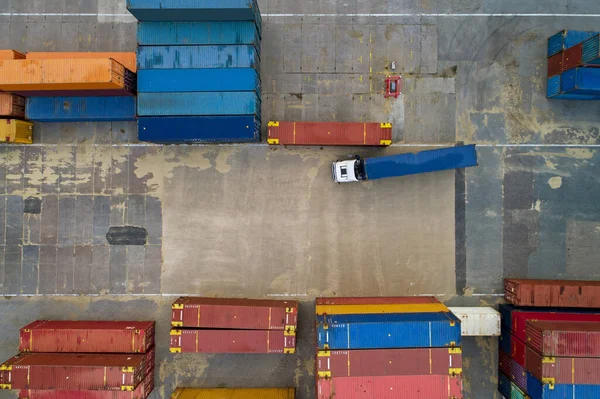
{"x":344,"y":171}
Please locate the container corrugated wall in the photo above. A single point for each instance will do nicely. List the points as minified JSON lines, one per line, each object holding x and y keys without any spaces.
{"x":198,"y":80}
{"x":199,"y":129}
{"x":383,"y":308}
{"x":517,"y":350}
{"x":250,"y":314}
{"x":376,"y":300}
{"x":234,"y":393}
{"x":391,"y":387}
{"x":198,"y":33}
{"x":504,"y":362}
{"x":591,"y":50}
{"x":537,"y":390}
{"x":581,"y":81}
{"x":563,"y":370}
{"x":16,"y":131}
{"x":518,"y":374}
{"x":516,"y":392}
{"x":87,"y":336}
{"x":191,"y":104}
{"x":572,"y":57}
{"x":555,"y":65}
{"x":375,"y":362}
{"x":81,"y":109}
{"x":141,"y":392}
{"x":128,"y":59}
{"x":553,"y":293}
{"x":566,"y":39}
{"x":564,"y":338}
{"x":194,"y":57}
{"x":403,"y":330}
{"x":12,"y":105}
{"x":232,"y":341}
{"x":329,"y":133}
{"x":519,"y":319}
{"x":504,"y":385}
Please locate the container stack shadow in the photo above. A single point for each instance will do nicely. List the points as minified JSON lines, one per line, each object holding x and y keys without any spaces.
{"x":82,"y":359}
{"x":199,"y":71}
{"x":550,"y":342}
{"x":574,"y":65}
{"x":385,"y":348}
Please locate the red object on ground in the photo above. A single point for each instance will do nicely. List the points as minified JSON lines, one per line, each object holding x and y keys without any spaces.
{"x":87,"y":336}
{"x":572,"y":57}
{"x":378,"y":362}
{"x":232,"y":341}
{"x":393,"y":86}
{"x":504,"y":362}
{"x":391,"y":387}
{"x":563,"y":370}
{"x":68,"y":371}
{"x":518,"y":350}
{"x":555,"y":64}
{"x":377,"y":300}
{"x":329,"y":133}
{"x":552,"y":293}
{"x":519,"y":320}
{"x":564,"y":338}
{"x":141,"y":392}
{"x":244,"y":314}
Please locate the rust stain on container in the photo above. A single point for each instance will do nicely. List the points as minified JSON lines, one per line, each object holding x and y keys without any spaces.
{"x":376,"y":362}
{"x":234,"y":393}
{"x":11,"y":55}
{"x":87,"y":336}
{"x":232,"y":341}
{"x":552,"y":293}
{"x":329,"y":133}
{"x":65,"y":74}
{"x":563,"y":370}
{"x":16,"y":131}
{"x":564,"y":338}
{"x":128,"y":59}
{"x":12,"y":105}
{"x":247,"y":314}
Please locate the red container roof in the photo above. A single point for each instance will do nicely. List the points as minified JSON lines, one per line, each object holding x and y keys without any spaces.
{"x":89,"y":325}
{"x":195,"y":301}
{"x":75,"y":360}
{"x":571,"y":326}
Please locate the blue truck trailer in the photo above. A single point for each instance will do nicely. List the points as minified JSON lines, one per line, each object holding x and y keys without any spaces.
{"x":404,"y":164}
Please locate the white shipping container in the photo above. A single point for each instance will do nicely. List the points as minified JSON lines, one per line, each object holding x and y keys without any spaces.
{"x":478,"y":321}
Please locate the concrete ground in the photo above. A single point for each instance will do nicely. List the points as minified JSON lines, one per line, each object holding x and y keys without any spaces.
{"x":257,"y":221}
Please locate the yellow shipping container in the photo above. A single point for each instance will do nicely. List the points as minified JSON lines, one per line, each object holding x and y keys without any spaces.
{"x":234,"y":393}
{"x":127,"y":59}
{"x":16,"y":131}
{"x":382,"y":308}
{"x":67,"y":74}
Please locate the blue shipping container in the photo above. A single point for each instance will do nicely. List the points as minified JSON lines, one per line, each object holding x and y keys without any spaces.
{"x":194,"y":57}
{"x":421,"y":162}
{"x":591,"y":50}
{"x":199,"y":129}
{"x":566,"y":39}
{"x":553,"y":87}
{"x":393,"y":330}
{"x":504,"y":340}
{"x":80,"y":109}
{"x":197,"y":33}
{"x":196,"y":104}
{"x":537,"y":390}
{"x":504,"y":385}
{"x":581,"y":81}
{"x":195,"y":10}
{"x":189,"y":80}
{"x":505,"y":311}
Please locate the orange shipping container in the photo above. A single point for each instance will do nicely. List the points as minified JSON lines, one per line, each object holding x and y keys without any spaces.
{"x":12,"y":105}
{"x":68,"y":74}
{"x":11,"y":55}
{"x":127,"y":59}
{"x":16,"y":131}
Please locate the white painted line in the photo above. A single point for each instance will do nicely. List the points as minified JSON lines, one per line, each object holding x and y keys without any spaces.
{"x":373,"y":15}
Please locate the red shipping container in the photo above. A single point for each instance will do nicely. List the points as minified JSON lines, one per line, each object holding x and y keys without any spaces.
{"x":519,"y":320}
{"x":232,"y":341}
{"x":244,"y":314}
{"x":391,"y":387}
{"x":518,"y":350}
{"x":12,"y":105}
{"x":504,"y":362}
{"x":377,"y":300}
{"x":563,"y":370}
{"x":564,"y":338}
{"x":377,"y":362}
{"x":555,"y":64}
{"x":141,"y":392}
{"x":572,"y":57}
{"x":68,"y":371}
{"x":329,"y":133}
{"x":552,"y":293}
{"x":87,"y":336}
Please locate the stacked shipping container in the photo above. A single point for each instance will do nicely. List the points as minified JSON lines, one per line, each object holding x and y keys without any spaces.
{"x":199,"y":71}
{"x":82,"y":359}
{"x":402,"y":347}
{"x":13,"y":129}
{"x":550,"y":350}
{"x":572,"y":56}
{"x":223,"y":325}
